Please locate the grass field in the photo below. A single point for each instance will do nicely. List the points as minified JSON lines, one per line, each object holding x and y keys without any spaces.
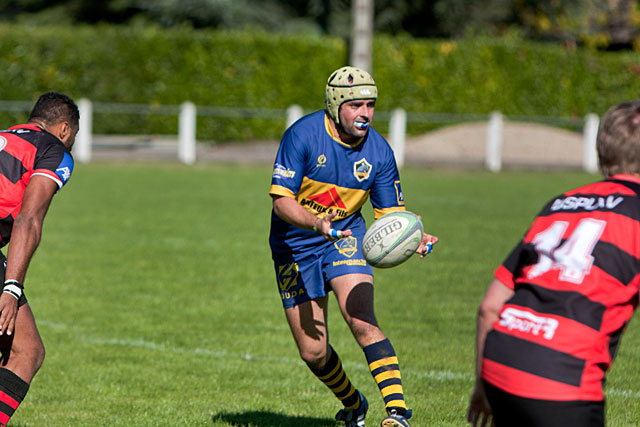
{"x":155,"y":296}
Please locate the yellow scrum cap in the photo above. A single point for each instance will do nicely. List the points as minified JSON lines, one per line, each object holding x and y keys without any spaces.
{"x":347,"y":84}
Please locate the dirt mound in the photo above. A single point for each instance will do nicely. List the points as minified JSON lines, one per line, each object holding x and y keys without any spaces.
{"x":524,"y":144}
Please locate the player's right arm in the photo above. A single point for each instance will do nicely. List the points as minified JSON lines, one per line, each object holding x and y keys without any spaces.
{"x":479,"y":413}
{"x":288,"y":172}
{"x":25,"y":238}
{"x":289,"y":210}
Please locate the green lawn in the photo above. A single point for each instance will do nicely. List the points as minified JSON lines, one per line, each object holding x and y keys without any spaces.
{"x":155,"y":296}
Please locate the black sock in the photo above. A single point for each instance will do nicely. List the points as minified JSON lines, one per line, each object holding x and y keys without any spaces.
{"x":334,"y":377}
{"x":12,"y":390}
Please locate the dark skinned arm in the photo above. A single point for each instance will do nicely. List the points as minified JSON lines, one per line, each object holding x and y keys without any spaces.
{"x":25,"y":238}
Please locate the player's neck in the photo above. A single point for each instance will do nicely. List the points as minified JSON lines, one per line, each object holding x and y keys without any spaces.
{"x":37,"y":122}
{"x":338,"y":133}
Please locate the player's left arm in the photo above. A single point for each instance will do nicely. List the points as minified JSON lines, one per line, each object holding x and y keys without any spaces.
{"x":386,"y":196}
{"x":25,"y":238}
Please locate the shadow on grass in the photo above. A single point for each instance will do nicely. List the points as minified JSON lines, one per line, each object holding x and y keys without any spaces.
{"x":271,"y":419}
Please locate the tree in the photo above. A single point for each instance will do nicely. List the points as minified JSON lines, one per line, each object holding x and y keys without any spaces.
{"x":611,"y":24}
{"x":608,"y":24}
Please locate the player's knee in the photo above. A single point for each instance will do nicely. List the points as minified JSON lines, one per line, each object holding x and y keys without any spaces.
{"x":38,"y":355}
{"x":314,"y":357}
{"x":30,"y":354}
{"x":363,"y":328}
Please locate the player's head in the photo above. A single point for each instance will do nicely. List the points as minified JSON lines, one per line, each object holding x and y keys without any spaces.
{"x":347,"y":84}
{"x":618,"y":141}
{"x":58,"y":114}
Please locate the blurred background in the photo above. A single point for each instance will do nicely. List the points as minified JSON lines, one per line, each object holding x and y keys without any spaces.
{"x":244,"y":63}
{"x":605,"y":24}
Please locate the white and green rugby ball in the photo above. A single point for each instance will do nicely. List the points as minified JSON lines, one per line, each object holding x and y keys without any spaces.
{"x":392,"y":239}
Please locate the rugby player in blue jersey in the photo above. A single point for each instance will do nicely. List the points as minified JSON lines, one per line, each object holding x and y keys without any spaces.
{"x":327,"y":166}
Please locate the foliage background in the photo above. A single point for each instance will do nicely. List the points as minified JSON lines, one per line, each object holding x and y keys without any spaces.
{"x":611,"y":24}
{"x":254,"y":69}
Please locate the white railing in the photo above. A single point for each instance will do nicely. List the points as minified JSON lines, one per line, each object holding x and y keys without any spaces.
{"x":188,"y":113}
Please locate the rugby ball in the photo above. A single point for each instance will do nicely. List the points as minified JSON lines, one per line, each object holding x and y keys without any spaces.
{"x":392,"y":239}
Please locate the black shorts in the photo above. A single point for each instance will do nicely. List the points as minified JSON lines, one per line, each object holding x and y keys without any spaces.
{"x":3,"y":263}
{"x":510,"y":410}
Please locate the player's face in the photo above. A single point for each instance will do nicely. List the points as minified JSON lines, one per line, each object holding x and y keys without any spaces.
{"x":356,"y":117}
{"x":70,"y":139}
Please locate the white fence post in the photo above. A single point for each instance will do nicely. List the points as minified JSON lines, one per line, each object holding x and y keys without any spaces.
{"x":362,"y":13}
{"x":397,"y":134}
{"x":493,"y":160}
{"x":82,"y":146}
{"x":589,"y":137}
{"x":294,"y":112}
{"x":187,"y":133}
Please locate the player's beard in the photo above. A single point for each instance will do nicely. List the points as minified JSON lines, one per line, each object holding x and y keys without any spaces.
{"x":353,"y":133}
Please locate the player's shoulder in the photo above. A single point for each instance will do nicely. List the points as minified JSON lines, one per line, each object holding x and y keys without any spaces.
{"x":36,"y":136}
{"x":26,"y":132}
{"x":310,"y":122}
{"x":378,"y":147}
{"x":380,"y":142}
{"x":618,"y":195}
{"x":622,"y":185}
{"x":305,"y":131}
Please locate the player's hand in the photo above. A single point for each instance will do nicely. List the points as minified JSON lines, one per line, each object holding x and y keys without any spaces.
{"x":324,"y":227}
{"x":479,"y":413}
{"x":426,"y":246}
{"x":8,"y":313}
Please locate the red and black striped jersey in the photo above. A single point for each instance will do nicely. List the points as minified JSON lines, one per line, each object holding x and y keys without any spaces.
{"x":25,"y":151}
{"x":575,"y":276}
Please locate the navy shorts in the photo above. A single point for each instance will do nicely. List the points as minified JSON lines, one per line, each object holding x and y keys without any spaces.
{"x":307,"y":278}
{"x":3,"y":262}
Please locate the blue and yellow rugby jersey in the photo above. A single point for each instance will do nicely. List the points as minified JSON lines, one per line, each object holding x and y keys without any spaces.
{"x":325,"y":175}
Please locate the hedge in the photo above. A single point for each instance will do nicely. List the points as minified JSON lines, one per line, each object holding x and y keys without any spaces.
{"x":511,"y":75}
{"x":153,"y":66}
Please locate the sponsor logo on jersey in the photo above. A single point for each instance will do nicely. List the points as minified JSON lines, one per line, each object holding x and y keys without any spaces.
{"x":322,"y":159}
{"x":279,"y":171}
{"x":586,"y":203}
{"x":527,"y":322}
{"x":65,"y":168}
{"x":347,"y":246}
{"x":326,"y":202}
{"x":3,"y":142}
{"x":63,"y":173}
{"x":362,"y":169}
{"x":329,"y":199}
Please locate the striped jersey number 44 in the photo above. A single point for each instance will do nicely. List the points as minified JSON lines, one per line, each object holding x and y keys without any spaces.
{"x":574,"y":257}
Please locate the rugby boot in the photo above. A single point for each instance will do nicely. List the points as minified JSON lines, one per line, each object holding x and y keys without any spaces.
{"x":396,"y":420}
{"x":354,"y":417}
